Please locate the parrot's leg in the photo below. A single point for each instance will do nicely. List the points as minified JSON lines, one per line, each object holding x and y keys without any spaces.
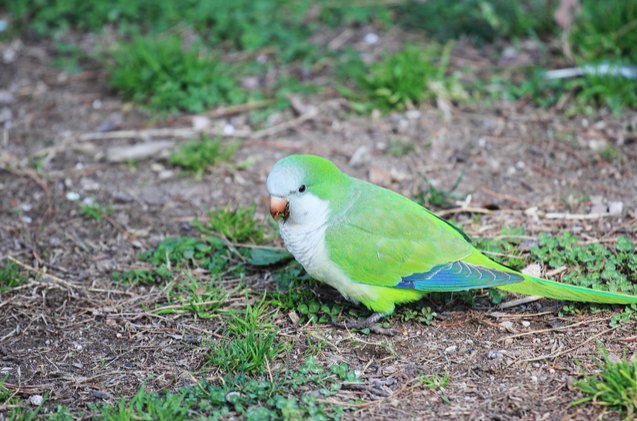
{"x":370,"y":323}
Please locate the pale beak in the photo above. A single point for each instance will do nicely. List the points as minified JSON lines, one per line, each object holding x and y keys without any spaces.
{"x":279,"y":207}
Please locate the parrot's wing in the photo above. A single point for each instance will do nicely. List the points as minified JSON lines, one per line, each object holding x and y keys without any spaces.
{"x":384,"y":239}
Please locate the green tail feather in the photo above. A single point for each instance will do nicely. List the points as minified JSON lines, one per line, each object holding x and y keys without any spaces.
{"x":551,"y":289}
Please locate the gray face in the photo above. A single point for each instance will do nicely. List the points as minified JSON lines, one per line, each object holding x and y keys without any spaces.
{"x":284,"y":181}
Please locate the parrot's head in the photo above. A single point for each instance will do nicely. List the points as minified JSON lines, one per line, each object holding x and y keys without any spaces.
{"x":299,"y":184}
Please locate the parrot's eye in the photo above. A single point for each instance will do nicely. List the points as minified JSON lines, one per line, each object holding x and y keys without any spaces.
{"x":302,"y":188}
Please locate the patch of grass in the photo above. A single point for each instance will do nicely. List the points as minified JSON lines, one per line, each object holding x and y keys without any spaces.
{"x":95,"y":211}
{"x":67,"y":57}
{"x":205,"y":298}
{"x":201,"y":154}
{"x":606,"y":31}
{"x":479,"y":20}
{"x":335,"y":13}
{"x":238,"y":225}
{"x":250,"y":397}
{"x":435,"y":381}
{"x":505,"y":248}
{"x":142,"y":276}
{"x":294,"y":292}
{"x":614,"y":387}
{"x":255,"y":24}
{"x":18,"y":409}
{"x":407,"y":78}
{"x":178,"y":252}
{"x":252,"y":345}
{"x":602,"y":34}
{"x":258,"y":398}
{"x":609,"y":154}
{"x":398,"y":148}
{"x":147,"y":405}
{"x":433,"y":197}
{"x":11,"y":276}
{"x":167,"y":76}
{"x":424,"y":315}
{"x":592,"y":265}
{"x":50,"y":17}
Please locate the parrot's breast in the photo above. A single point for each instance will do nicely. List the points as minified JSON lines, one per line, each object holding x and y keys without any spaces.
{"x":304,"y":239}
{"x":306,"y":242}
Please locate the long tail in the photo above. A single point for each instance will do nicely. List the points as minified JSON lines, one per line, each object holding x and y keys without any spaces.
{"x":551,"y":289}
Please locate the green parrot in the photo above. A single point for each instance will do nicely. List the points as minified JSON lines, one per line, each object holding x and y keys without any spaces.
{"x":379,"y":249}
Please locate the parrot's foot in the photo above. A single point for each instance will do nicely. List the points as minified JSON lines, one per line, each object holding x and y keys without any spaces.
{"x":370,"y":323}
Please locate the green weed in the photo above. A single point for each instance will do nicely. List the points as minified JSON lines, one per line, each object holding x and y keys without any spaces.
{"x":609,"y":154}
{"x":238,"y":225}
{"x":11,"y":276}
{"x":178,"y":251}
{"x":505,"y":248}
{"x":205,"y":299}
{"x":142,"y":276}
{"x":479,"y":20}
{"x":398,"y":148}
{"x":294,"y":292}
{"x":606,"y":31}
{"x":592,"y":265}
{"x":258,"y":398}
{"x":252,"y":345}
{"x":335,"y":13}
{"x":423,"y":314}
{"x":165,"y":75}
{"x":67,"y":57}
{"x":95,"y":211}
{"x":433,"y":197}
{"x":18,"y":410}
{"x":255,"y":24}
{"x":147,"y":405}
{"x":434,"y":381}
{"x":409,"y":77}
{"x":201,"y":154}
{"x":615,"y":386}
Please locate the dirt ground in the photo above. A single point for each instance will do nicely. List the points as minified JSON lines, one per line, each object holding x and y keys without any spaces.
{"x":73,"y":333}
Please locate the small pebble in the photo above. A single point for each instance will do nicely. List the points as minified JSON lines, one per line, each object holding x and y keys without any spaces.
{"x":413,"y":114}
{"x":451,"y":349}
{"x":371,"y":38}
{"x":526,"y":323}
{"x":200,"y":123}
{"x":36,"y":400}
{"x":73,"y":196}
{"x":615,"y":208}
{"x":360,"y":157}
{"x":228,"y":129}
{"x":101,"y":395}
{"x":494,"y":355}
{"x":507,"y":324}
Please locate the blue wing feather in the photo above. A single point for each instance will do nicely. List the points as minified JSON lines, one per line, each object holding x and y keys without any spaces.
{"x":458,"y":276}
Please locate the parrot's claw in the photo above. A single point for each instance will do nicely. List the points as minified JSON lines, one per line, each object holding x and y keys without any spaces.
{"x":370,"y":323}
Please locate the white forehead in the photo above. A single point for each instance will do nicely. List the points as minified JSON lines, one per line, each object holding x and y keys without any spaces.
{"x":284,"y":179}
